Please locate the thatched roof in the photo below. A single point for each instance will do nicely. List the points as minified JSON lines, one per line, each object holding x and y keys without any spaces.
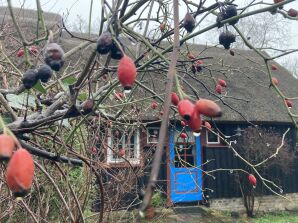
{"x":248,"y":95}
{"x":247,"y":80}
{"x":248,"y":92}
{"x":29,"y":17}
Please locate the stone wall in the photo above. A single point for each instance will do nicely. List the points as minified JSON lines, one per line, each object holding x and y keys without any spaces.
{"x":263,"y":203}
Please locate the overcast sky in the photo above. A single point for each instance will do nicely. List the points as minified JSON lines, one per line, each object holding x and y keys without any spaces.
{"x":75,"y":8}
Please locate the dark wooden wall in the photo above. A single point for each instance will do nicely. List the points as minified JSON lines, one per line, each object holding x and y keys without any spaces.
{"x":225,"y":183}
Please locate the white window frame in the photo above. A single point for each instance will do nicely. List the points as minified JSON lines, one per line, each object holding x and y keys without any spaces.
{"x":149,"y":142}
{"x":134,"y":161}
{"x":212,"y":143}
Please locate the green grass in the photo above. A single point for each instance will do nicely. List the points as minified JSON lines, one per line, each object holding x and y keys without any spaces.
{"x":278,"y":217}
{"x":210,"y":216}
{"x":158,"y":200}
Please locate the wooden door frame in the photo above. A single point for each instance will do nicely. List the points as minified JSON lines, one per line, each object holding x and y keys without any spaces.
{"x":168,"y":180}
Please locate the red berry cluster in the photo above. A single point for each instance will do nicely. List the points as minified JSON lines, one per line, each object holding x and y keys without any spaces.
{"x":219,"y":85}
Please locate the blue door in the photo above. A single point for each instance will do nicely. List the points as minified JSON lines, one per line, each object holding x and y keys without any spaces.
{"x":185,"y":164}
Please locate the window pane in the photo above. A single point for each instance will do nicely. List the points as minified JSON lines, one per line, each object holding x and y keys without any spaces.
{"x":152,"y":135}
{"x":212,"y":137}
{"x":184,"y":155}
{"x":123,"y":145}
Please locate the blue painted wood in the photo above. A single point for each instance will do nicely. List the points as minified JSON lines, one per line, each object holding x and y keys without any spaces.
{"x":186,"y":182}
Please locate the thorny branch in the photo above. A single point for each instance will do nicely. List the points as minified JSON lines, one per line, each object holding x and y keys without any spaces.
{"x":164,"y":124}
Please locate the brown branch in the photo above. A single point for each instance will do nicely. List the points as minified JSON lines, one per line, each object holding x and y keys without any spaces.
{"x":76,"y":37}
{"x":124,"y":7}
{"x":17,"y":90}
{"x":57,"y":189}
{"x":164,"y":124}
{"x":276,"y":151}
{"x":50,"y":156}
{"x":29,"y":211}
{"x":100,"y":186}
{"x":72,"y":192}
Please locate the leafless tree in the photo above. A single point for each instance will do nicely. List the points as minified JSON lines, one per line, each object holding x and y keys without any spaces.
{"x":259,"y":147}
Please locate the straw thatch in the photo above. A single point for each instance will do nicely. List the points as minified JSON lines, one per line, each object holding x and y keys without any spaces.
{"x":248,"y":95}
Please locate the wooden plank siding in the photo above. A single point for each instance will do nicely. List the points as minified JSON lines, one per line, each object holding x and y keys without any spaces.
{"x":225,"y":185}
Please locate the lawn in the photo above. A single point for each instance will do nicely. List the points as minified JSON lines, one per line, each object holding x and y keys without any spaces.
{"x":205,"y":216}
{"x":278,"y":217}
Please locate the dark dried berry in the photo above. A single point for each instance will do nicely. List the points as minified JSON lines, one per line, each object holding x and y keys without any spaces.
{"x":193,"y":69}
{"x":88,"y":105}
{"x":292,"y":13}
{"x":116,"y":53}
{"x":230,"y":12}
{"x":44,"y":73}
{"x":56,"y":65}
{"x":273,"y":11}
{"x":189,"y":22}
{"x":30,"y":78}
{"x":226,"y":38}
{"x":199,"y":68}
{"x":54,"y":56}
{"x":198,"y":65}
{"x":278,"y":1}
{"x":104,"y":43}
{"x":226,"y":13}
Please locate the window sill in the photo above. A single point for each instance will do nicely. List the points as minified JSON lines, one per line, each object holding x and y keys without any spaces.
{"x":215,"y":145}
{"x":125,"y":164}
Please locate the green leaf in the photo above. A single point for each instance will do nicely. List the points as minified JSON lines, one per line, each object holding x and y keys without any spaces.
{"x":19,"y":101}
{"x":83,"y":96}
{"x":39,"y":87}
{"x":69,"y":80}
{"x":17,"y":105}
{"x":7,"y":119}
